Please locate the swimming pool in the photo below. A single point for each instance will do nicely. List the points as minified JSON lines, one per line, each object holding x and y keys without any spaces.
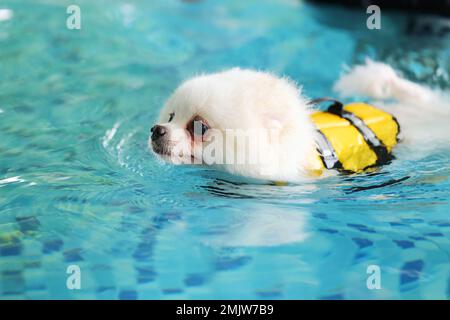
{"x":79,"y":187}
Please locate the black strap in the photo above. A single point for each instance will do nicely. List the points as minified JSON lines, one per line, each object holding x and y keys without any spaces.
{"x":337,"y":106}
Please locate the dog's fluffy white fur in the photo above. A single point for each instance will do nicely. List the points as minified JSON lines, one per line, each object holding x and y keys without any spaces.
{"x":246,"y":100}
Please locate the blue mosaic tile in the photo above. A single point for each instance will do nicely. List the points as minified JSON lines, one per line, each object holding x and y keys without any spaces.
{"x":331,"y":231}
{"x":441,"y":223}
{"x":172,"y":291}
{"x":412,"y":220}
{"x":102,"y":289}
{"x":145,"y":275}
{"x":227,"y":263}
{"x":361,"y":227}
{"x":161,"y":220}
{"x":417,"y":238}
{"x":397,"y":224}
{"x":32,"y":264}
{"x":12,"y":273}
{"x":12,"y":282}
{"x":148,"y":233}
{"x":50,"y":246}
{"x":411,"y":271}
{"x":27,"y":224}
{"x":195,"y":279}
{"x":10,"y":247}
{"x":128,"y":295}
{"x":320,"y":215}
{"x":73,"y":255}
{"x":404,"y":244}
{"x":362,"y":242}
{"x":434,"y":234}
{"x":144,"y":251}
{"x":360,"y":255}
{"x":37,"y":287}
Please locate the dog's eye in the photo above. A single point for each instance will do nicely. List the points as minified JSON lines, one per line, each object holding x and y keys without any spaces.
{"x":171,"y":115}
{"x":197,"y":127}
{"x":204,"y":128}
{"x":200,"y":128}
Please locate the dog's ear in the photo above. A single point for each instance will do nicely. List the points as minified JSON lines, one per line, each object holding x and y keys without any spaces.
{"x":272,"y":121}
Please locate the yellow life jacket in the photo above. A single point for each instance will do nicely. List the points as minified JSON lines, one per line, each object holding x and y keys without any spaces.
{"x":355,"y":137}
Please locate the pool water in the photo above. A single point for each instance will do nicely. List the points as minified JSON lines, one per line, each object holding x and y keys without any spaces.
{"x":78,"y":185}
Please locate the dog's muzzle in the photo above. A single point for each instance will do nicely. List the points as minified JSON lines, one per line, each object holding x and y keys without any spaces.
{"x":158,"y":132}
{"x":158,"y":139}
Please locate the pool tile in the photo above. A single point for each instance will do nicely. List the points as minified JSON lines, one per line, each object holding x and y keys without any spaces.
{"x":145,"y":274}
{"x":10,"y":246}
{"x":193,"y":280}
{"x":361,"y":227}
{"x":331,"y":231}
{"x":170,"y":291}
{"x":434,"y":234}
{"x":411,"y":271}
{"x":53,"y":245}
{"x":404,"y":244}
{"x":27,"y":224}
{"x":228,"y":263}
{"x":73,"y":255}
{"x":362,"y":242}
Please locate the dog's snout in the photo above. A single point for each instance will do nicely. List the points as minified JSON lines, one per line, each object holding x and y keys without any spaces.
{"x":158,"y":131}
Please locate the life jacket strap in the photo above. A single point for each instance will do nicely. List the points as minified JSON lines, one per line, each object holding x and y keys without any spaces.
{"x":336,"y":103}
{"x":326,"y":152}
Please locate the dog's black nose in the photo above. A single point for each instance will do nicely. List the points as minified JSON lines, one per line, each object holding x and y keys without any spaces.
{"x":158,"y":131}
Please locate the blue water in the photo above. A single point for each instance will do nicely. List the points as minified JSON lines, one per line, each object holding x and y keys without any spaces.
{"x":78,"y":185}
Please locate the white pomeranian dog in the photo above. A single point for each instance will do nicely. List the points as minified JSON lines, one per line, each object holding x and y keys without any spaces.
{"x":258,"y":125}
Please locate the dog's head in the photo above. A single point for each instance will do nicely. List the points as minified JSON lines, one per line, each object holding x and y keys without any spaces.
{"x":235,"y":119}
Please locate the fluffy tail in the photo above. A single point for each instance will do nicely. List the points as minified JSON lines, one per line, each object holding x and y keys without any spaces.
{"x":379,"y":81}
{"x":423,"y":113}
